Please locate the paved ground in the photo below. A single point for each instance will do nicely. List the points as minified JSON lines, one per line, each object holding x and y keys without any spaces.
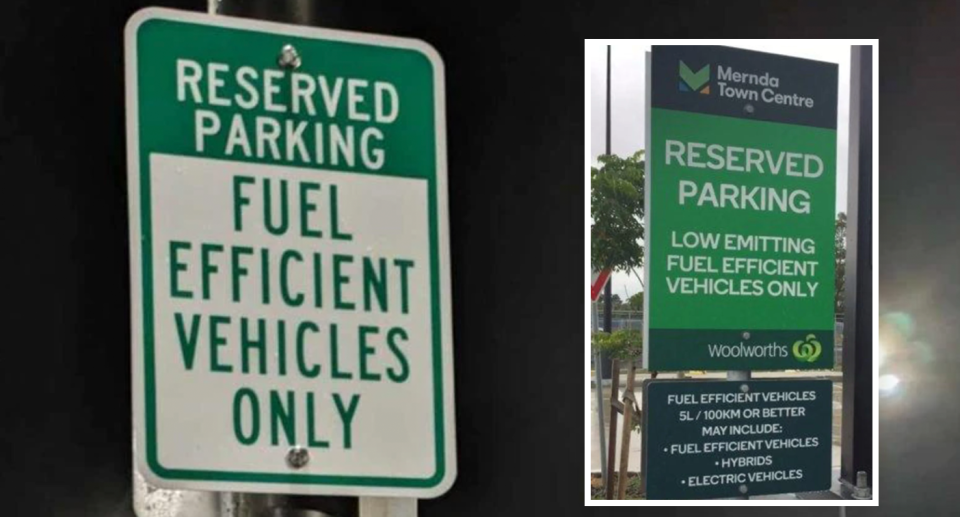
{"x":634,"y":460}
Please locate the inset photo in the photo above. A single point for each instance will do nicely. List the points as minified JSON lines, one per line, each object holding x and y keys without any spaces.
{"x":731,"y":226}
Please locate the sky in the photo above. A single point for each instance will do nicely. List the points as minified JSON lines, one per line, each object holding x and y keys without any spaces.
{"x":627,"y":92}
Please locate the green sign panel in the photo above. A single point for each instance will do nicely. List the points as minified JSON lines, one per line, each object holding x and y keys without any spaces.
{"x":289,"y":256}
{"x":741,"y":208}
{"x":714,"y":439}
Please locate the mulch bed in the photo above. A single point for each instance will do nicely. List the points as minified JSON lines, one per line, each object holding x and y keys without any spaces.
{"x":633,"y":486}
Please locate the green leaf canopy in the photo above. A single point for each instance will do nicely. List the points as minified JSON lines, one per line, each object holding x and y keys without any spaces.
{"x":616,"y":205}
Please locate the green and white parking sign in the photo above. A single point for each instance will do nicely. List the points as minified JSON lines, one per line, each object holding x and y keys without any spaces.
{"x":289,"y":258}
{"x":741,"y":207}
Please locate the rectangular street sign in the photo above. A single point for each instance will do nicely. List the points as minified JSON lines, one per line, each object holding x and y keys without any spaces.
{"x":711,"y":439}
{"x":742,"y":180}
{"x":289,"y":258}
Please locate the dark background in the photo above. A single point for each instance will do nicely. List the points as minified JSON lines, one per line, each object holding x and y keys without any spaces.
{"x":514,"y":92}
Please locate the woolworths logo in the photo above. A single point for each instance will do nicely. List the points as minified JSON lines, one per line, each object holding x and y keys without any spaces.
{"x":807,"y":350}
{"x":691,"y":81}
{"x":743,"y":350}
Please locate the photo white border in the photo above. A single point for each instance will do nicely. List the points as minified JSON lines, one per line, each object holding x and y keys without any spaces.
{"x":591,"y":44}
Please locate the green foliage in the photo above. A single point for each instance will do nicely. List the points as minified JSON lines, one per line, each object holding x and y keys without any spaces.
{"x":624,"y":344}
{"x":616,"y":206}
{"x":635,"y":303}
{"x":840,"y":261}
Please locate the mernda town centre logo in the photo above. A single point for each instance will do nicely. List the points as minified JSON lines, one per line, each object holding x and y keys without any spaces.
{"x":691,"y":81}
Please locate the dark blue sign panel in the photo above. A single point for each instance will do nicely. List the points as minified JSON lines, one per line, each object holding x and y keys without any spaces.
{"x":745,"y":84}
{"x":712,"y":439}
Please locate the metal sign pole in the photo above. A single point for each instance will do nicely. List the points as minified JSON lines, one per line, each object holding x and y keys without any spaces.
{"x":739,"y":375}
{"x":255,"y":505}
{"x":608,"y":289}
{"x":388,"y":507}
{"x":598,"y":359}
{"x":252,"y":505}
{"x":856,"y":434}
{"x":615,"y":406}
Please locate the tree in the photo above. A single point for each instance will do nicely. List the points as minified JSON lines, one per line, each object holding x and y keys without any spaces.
{"x":624,"y":344}
{"x":840,"y":260}
{"x":615,"y":301}
{"x":635,"y":303}
{"x":616,"y":206}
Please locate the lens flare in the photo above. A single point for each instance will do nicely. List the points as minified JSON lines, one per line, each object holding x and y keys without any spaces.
{"x":902,"y":322}
{"x":888,"y":383}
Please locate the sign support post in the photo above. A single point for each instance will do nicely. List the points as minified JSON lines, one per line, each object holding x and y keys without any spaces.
{"x":612,"y":443}
{"x":284,"y":505}
{"x":599,"y":389}
{"x":238,"y":503}
{"x":244,"y":504}
{"x":739,"y":375}
{"x":605,"y":365}
{"x":601,"y":279}
{"x":856,"y":433}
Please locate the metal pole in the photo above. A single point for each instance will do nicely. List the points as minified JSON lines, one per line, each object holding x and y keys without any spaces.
{"x":600,"y":429}
{"x":612,"y":443}
{"x":236,"y":504}
{"x":608,"y":290}
{"x":388,"y":507}
{"x":303,"y":12}
{"x":608,"y":99}
{"x":856,"y":447}
{"x":599,"y":389}
{"x":739,"y":375}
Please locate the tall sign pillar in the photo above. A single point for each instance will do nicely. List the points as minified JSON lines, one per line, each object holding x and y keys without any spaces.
{"x":856,"y":431}
{"x":741,"y":177}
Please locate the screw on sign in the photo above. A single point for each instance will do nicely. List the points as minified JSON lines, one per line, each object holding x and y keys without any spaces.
{"x":289,"y":57}
{"x":297,"y":457}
